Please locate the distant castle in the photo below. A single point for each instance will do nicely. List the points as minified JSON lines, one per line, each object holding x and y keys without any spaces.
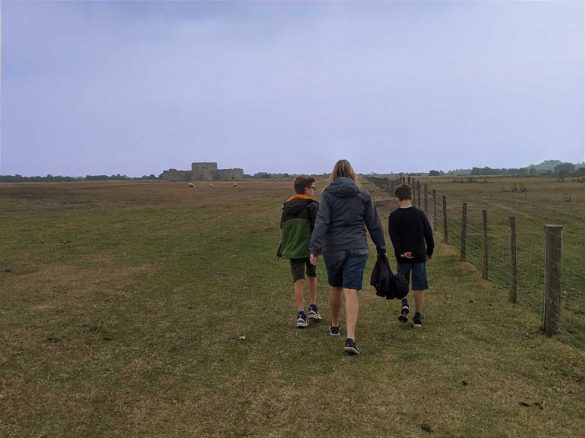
{"x":203,"y":172}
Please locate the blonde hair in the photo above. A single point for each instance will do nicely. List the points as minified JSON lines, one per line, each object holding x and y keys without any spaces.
{"x":343,"y":168}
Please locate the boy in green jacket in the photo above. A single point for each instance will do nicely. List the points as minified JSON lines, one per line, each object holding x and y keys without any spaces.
{"x":297,"y":222}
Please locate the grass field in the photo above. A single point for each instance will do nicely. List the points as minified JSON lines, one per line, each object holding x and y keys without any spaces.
{"x":151,"y":309}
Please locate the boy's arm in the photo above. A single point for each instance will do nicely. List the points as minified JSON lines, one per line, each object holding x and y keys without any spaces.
{"x":321,"y":226}
{"x":313,"y":209}
{"x":374,"y":225}
{"x":282,"y":217}
{"x":394,"y":236}
{"x":428,"y":232}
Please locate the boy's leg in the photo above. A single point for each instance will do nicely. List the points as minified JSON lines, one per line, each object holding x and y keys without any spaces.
{"x":312,"y":290}
{"x":299,"y":286}
{"x":334,"y":304}
{"x":312,"y":277}
{"x":419,"y":284}
{"x":419,"y":300}
{"x":404,"y":269}
{"x":352,"y":307}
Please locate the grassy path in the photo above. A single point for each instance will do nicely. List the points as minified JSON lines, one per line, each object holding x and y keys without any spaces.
{"x":161,"y":311}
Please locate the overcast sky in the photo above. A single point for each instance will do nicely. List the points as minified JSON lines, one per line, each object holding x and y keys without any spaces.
{"x":138,"y":87}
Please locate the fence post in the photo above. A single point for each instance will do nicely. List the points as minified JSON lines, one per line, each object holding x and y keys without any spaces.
{"x":413,"y":189}
{"x":513,"y":262}
{"x":445,"y":223}
{"x":426,"y":199}
{"x":485,"y":272}
{"x":418,"y":193}
{"x":435,"y":209}
{"x":551,"y":315}
{"x":464,"y":232}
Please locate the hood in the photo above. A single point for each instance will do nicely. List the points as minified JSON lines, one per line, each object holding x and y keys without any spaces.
{"x":343,"y":187}
{"x":296,"y":205}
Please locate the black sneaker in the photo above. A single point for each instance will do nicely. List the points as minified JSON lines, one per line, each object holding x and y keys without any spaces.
{"x":351,"y":347}
{"x":416,"y":321}
{"x":314,"y":313}
{"x":334,"y":330}
{"x":302,"y":320}
{"x":403,"y":312}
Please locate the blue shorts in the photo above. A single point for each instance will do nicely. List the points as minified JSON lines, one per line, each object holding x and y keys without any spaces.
{"x":346,"y":268}
{"x":419,"y":274}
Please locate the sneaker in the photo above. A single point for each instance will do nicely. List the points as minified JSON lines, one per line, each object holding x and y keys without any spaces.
{"x":403,"y":312}
{"x":351,"y":347}
{"x":333,"y":330}
{"x":416,"y":321}
{"x":302,"y":320}
{"x":314,"y":313}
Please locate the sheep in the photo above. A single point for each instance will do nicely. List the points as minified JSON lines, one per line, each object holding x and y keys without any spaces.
{"x":211,"y":185}
{"x":235,"y":185}
{"x":191,"y":185}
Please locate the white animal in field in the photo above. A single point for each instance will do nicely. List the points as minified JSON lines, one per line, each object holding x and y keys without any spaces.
{"x":211,"y":185}
{"x":191,"y":185}
{"x":235,"y":185}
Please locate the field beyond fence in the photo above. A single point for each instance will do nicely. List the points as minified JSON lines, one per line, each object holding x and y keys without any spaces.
{"x":132,"y":309}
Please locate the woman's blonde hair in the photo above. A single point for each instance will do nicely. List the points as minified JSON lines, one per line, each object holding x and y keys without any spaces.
{"x":343,"y":168}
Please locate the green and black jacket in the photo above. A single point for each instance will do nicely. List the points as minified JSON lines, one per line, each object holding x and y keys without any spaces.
{"x":297,"y":223}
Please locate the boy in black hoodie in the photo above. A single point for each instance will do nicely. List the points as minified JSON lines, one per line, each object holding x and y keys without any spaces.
{"x":297,"y":223}
{"x":412,"y":238}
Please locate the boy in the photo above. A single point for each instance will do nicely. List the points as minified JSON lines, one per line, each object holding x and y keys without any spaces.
{"x":412,"y":238}
{"x":297,"y":223}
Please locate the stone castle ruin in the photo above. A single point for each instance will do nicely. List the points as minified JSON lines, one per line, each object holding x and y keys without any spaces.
{"x":203,"y":172}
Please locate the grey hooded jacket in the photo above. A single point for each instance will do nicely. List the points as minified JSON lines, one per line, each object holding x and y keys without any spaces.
{"x":344,"y":213}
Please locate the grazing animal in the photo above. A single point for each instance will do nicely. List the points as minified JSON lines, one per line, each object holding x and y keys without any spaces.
{"x":235,"y":185}
{"x":211,"y":185}
{"x":191,"y":185}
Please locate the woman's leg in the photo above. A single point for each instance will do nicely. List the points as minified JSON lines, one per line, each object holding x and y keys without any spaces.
{"x":334,"y":304}
{"x":352,"y":307}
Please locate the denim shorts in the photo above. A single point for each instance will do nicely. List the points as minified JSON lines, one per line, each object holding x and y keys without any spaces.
{"x":419,"y":274}
{"x":298,"y":266}
{"x":346,"y":268}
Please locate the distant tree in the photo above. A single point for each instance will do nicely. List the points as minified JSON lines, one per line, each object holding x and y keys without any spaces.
{"x":580,"y":171}
{"x":263,"y":175}
{"x":434,"y":173}
{"x":564,"y":169}
{"x":483,"y":171}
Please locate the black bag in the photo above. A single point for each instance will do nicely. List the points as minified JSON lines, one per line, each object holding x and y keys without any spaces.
{"x":388,"y":285}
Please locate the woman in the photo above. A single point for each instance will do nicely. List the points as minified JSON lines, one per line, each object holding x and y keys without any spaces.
{"x":344,"y":214}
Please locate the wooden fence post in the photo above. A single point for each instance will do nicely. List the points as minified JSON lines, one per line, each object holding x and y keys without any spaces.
{"x":445,"y":223}
{"x":418,"y":193}
{"x":464,"y":232}
{"x":513,"y":262}
{"x":551,"y":315}
{"x":435,"y":209}
{"x":413,"y":189}
{"x":485,"y":271}
{"x":426,"y":200}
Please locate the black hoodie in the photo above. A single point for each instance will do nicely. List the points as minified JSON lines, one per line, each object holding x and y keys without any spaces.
{"x":344,"y":213}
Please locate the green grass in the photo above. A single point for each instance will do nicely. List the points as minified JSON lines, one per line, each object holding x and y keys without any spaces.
{"x":122,"y":314}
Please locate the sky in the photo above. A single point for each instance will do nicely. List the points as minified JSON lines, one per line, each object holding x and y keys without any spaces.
{"x":138,"y":87}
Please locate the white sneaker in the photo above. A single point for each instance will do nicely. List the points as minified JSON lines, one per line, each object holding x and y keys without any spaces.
{"x":314,"y":313}
{"x":302,"y":320}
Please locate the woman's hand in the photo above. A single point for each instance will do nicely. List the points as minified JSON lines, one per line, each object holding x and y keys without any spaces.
{"x":313,"y":259}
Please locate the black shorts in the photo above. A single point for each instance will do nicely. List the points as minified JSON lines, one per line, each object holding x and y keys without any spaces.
{"x":297,"y":266}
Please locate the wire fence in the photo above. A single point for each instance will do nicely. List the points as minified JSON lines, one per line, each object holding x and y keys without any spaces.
{"x":510,"y":255}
